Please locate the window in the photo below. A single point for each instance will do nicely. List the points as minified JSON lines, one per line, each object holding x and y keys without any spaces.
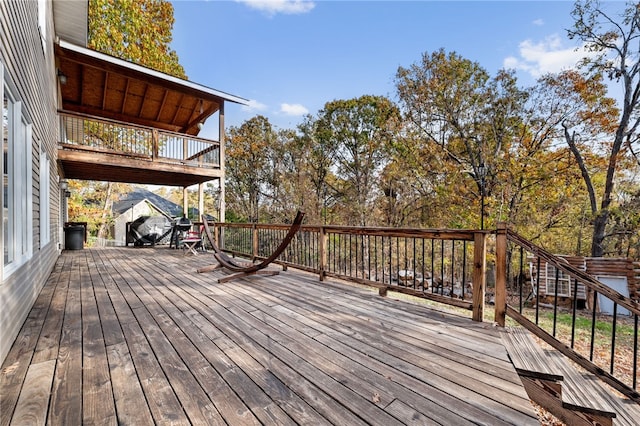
{"x":16,"y":176}
{"x":45,"y":202}
{"x":564,"y":287}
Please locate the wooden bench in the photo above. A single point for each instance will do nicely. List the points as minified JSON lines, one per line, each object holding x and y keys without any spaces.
{"x":574,"y":396}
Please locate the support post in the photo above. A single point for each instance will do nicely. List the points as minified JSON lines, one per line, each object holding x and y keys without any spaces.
{"x":501,"y":274}
{"x":254,"y":238}
{"x":200,"y":199}
{"x":221,"y":137}
{"x":185,"y":202}
{"x":155,"y":144}
{"x":479,"y":274}
{"x":323,"y":237}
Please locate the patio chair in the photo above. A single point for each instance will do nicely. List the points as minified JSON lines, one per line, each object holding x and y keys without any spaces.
{"x":243,"y":269}
{"x":190,"y":242}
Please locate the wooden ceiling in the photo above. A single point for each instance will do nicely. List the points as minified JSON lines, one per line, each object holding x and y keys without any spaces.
{"x":104,"y":86}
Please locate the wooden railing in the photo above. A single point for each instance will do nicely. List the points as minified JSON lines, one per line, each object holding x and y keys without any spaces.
{"x":604,"y":344}
{"x":447,"y":266}
{"x":90,"y":133}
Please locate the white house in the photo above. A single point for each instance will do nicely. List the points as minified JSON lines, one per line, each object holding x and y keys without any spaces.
{"x":56,"y":93}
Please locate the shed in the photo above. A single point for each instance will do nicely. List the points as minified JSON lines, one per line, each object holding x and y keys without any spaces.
{"x":621,"y":274}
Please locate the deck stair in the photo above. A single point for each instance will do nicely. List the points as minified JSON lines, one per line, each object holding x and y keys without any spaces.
{"x":573,"y":395}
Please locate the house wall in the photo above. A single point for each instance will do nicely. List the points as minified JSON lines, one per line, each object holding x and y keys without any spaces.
{"x":27,"y":60}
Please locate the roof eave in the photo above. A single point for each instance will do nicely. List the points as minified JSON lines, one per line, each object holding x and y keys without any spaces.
{"x":186,"y":84}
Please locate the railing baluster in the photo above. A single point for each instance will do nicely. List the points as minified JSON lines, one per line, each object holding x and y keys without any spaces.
{"x":390,"y":259}
{"x":369,"y":256}
{"x":635,"y":351}
{"x":422,"y":262}
{"x":613,"y":336}
{"x":414,"y":263}
{"x":521,"y":279}
{"x":593,"y":324}
{"x":333,"y":252}
{"x":397,"y":260}
{"x":442,"y":267}
{"x":433,"y":266}
{"x":464,"y":267}
{"x":574,"y":312}
{"x":453,"y":280}
{"x":538,"y":292}
{"x":555,"y":303}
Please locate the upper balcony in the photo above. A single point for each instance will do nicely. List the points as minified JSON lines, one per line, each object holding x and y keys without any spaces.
{"x":122,"y":122}
{"x":107,"y":150}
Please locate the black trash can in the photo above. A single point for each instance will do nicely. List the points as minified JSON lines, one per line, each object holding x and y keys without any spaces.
{"x":74,"y":237}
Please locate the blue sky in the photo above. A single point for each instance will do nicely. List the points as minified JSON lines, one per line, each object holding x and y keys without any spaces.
{"x":291,"y":57}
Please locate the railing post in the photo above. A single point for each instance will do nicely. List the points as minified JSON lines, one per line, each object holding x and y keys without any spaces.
{"x":155,"y":143}
{"x":479,"y":274}
{"x":254,"y":233}
{"x":216,"y":235}
{"x":323,"y":237}
{"x":501,"y":274}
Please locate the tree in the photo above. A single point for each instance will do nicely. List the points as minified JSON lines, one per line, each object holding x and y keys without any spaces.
{"x":290,"y":188}
{"x":317,"y":153}
{"x":360,"y":132}
{"x":248,"y":153}
{"x":615,"y":44}
{"x":135,"y":30}
{"x":457,"y":113}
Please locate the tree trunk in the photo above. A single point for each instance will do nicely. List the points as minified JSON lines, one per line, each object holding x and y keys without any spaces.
{"x":599,"y":226}
{"x":106,"y":207}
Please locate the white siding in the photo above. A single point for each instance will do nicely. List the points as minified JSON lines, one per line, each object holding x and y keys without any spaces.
{"x":27,"y":60}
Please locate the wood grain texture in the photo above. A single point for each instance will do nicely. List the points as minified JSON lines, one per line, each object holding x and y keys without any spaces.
{"x":144,"y":339}
{"x":548,"y":375}
{"x":34,"y":398}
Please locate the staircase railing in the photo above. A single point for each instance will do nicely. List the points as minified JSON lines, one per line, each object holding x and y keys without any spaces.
{"x":604,"y":344}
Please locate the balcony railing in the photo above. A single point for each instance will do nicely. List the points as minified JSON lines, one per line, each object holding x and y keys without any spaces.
{"x":107,"y":136}
{"x":447,"y":266}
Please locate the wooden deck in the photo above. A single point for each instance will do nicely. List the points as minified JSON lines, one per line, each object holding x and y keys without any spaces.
{"x":134,"y":336}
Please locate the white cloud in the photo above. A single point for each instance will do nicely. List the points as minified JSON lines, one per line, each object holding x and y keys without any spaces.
{"x":538,"y":22}
{"x":254,"y":106}
{"x":547,"y":56}
{"x":287,"y":7}
{"x":293,"y":109}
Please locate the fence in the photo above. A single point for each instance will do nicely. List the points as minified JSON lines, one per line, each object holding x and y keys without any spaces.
{"x":447,"y":266}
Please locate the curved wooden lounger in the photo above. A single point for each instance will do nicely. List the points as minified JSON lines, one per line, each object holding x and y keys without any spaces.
{"x":242,"y":269}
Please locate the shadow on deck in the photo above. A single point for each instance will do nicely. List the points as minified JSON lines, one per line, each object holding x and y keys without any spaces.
{"x":135,"y":336}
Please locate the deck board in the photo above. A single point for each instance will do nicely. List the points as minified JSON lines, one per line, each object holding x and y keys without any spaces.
{"x":149,"y":341}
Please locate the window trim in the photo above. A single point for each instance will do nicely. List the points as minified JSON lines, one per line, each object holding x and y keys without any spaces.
{"x":564,"y":281}
{"x":20,"y":188}
{"x":45,"y":199}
